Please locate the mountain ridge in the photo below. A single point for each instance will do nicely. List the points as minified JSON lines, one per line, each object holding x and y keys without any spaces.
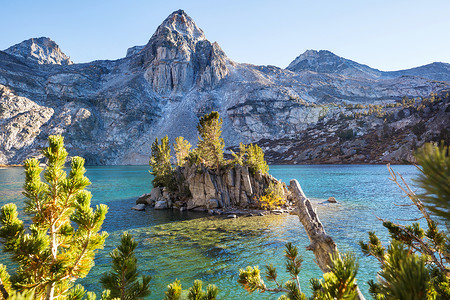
{"x":110,"y":111}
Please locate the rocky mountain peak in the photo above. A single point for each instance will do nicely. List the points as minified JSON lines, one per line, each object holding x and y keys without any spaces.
{"x":182,"y":24}
{"x":179,"y":57}
{"x":41,"y":50}
{"x":324,"y":61}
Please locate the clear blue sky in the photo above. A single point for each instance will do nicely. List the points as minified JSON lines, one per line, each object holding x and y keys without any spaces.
{"x":384,"y":34}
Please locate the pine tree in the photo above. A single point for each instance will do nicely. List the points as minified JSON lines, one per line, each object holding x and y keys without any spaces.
{"x":255,"y":159}
{"x":339,"y":283}
{"x":160,"y":163}
{"x":403,"y":273}
{"x":123,"y":281}
{"x":195,"y":292}
{"x":434,"y":179}
{"x":60,"y":244}
{"x":240,"y":156}
{"x":182,"y":149}
{"x":173,"y":291}
{"x":210,"y":145}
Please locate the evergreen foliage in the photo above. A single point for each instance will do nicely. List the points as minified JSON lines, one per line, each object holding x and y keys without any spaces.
{"x":403,"y":275}
{"x":182,"y":149}
{"x":79,"y":293}
{"x":434,"y":164}
{"x":416,"y":264}
{"x":5,"y":283}
{"x":255,"y":159}
{"x":209,"y":152}
{"x":123,"y":282}
{"x":195,"y":292}
{"x":339,"y":283}
{"x":173,"y":291}
{"x":240,"y":156}
{"x":60,"y":244}
{"x":160,"y":163}
{"x":210,"y":145}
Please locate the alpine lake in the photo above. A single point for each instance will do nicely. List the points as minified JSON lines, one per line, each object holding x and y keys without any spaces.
{"x":192,"y":245}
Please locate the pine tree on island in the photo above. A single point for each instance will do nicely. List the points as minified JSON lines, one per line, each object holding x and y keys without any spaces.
{"x":208,"y":156}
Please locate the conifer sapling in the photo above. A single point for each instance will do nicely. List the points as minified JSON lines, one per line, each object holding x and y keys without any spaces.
{"x":60,"y":244}
{"x":123,"y":281}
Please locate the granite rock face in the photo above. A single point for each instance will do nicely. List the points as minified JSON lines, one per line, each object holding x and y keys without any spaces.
{"x":134,"y":50}
{"x":40,"y":50}
{"x":111,"y":111}
{"x":21,"y":122}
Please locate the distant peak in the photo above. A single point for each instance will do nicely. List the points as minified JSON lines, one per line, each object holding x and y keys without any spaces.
{"x":180,"y":22}
{"x":324,"y":61}
{"x":316,"y":53}
{"x":42,"y":50}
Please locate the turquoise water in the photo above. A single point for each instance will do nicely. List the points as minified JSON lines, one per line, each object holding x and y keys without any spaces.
{"x":192,"y":245}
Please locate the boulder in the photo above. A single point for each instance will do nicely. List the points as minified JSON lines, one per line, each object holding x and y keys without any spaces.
{"x":155,"y":194}
{"x":144,"y":199}
{"x":161,"y":204}
{"x":139,"y":207}
{"x":165,"y":194}
{"x":332,"y":200}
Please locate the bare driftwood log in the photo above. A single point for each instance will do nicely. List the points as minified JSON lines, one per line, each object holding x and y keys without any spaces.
{"x":321,"y":244}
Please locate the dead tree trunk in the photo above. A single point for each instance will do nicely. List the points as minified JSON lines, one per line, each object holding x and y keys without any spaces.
{"x":321,"y":244}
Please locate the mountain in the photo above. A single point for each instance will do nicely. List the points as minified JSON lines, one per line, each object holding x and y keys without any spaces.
{"x":324,"y":61}
{"x":110,"y":112}
{"x":41,"y":50}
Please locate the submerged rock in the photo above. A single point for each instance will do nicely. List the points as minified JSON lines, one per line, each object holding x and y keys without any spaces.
{"x":139,"y":207}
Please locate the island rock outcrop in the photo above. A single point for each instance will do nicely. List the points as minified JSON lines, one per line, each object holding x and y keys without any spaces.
{"x":200,"y":187}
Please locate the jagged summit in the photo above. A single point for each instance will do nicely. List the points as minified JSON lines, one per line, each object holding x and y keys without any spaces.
{"x":41,"y":50}
{"x":324,"y":61}
{"x":178,"y":56}
{"x":181,"y":23}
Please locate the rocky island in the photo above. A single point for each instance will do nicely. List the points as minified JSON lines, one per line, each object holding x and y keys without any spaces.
{"x":204,"y":180}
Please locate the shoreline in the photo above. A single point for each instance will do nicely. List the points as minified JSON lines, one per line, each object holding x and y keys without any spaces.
{"x":10,"y":166}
